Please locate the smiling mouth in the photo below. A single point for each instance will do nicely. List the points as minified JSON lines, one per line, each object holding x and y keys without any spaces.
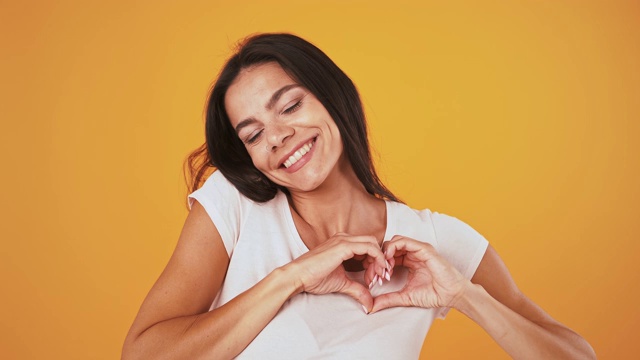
{"x":299,"y":154}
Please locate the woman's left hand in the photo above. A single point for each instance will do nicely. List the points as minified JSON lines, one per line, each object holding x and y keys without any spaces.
{"x":432,"y":281}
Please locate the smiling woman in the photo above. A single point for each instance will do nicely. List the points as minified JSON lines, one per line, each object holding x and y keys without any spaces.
{"x":281,"y":118}
{"x":294,"y":248}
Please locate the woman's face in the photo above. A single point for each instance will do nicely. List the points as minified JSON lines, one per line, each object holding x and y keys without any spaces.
{"x":288,"y":133}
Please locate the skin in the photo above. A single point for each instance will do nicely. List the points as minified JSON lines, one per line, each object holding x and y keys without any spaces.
{"x":329,"y":204}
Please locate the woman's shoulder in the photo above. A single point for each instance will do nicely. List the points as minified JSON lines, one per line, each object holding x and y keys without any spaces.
{"x":218,"y":181}
{"x":406,"y":213}
{"x":440,"y":226}
{"x":425,"y":215}
{"x":229,"y":210}
{"x":218,"y":188}
{"x":218,"y":193}
{"x":407,"y":221}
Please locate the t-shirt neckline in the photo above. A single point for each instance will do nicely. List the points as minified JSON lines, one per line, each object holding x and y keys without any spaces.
{"x":296,"y":235}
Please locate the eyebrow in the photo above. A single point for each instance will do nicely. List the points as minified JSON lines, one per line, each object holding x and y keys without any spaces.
{"x":276,"y":95}
{"x":270,"y":104}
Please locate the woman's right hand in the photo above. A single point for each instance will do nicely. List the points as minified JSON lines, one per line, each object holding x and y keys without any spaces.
{"x":320,"y":270}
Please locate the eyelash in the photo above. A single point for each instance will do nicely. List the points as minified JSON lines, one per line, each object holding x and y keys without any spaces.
{"x":293,"y":108}
{"x":254,"y":138}
{"x":288,"y":110}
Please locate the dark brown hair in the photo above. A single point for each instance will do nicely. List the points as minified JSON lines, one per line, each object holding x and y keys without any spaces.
{"x":309,"y":67}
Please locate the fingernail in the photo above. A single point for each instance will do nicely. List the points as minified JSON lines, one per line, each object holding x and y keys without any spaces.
{"x":386,"y":275}
{"x":371,"y":284}
{"x":374,"y":281}
{"x":388,"y":265}
{"x":365,"y":310}
{"x":380,"y":281}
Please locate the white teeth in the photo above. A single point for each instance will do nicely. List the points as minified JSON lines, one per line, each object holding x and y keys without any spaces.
{"x":298,"y":155}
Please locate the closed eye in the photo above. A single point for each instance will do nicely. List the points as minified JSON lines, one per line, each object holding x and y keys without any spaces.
{"x":293,"y":108}
{"x":254,"y":138}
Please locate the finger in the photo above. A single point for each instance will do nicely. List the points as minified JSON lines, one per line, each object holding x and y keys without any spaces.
{"x":360,"y":258}
{"x":359,"y":293}
{"x":393,"y":255}
{"x":420,"y":254}
{"x":403,"y":242}
{"x":357,"y":238}
{"x":351,"y":249}
{"x":360,"y":239}
{"x":387,"y":270}
{"x":370,"y":276}
{"x":389,"y":300}
{"x":373,"y":274}
{"x":400,"y":244}
{"x":379,"y":267}
{"x":388,"y":250}
{"x":366,"y":261}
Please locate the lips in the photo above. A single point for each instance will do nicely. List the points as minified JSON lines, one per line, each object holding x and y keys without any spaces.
{"x":297,"y":153}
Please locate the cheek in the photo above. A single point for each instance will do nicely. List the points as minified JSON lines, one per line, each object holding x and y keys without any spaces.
{"x":256,"y":159}
{"x":336,"y":139}
{"x":332,"y":128}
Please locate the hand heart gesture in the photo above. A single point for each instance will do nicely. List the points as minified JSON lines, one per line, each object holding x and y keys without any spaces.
{"x":431,"y":282}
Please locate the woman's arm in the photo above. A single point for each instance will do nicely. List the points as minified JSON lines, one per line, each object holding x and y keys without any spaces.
{"x":516,"y":323}
{"x":494,"y":302}
{"x":174,"y":321}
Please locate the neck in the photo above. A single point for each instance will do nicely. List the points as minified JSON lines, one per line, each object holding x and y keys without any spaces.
{"x":340,"y":204}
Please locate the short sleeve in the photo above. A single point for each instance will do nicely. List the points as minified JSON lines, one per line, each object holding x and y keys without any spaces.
{"x":460,"y":244}
{"x":225,"y":206}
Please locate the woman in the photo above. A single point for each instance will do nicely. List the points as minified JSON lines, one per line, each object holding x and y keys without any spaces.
{"x":295,"y":249}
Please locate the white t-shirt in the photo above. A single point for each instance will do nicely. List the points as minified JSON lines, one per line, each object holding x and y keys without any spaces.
{"x":260,"y":237}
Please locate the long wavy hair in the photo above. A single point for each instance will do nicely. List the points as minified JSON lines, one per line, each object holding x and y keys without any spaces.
{"x":309,"y":67}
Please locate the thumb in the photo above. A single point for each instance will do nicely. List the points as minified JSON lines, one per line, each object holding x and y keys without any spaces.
{"x":360,"y":293}
{"x":388,"y":300}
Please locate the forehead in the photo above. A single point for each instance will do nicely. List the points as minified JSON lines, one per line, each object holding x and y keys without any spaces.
{"x":251,"y":90}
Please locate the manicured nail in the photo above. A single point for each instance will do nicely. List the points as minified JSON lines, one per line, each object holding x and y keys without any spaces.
{"x":371,"y":284}
{"x":365,"y":310}
{"x":388,"y":265}
{"x":386,"y":275}
{"x":375,"y":280}
{"x":380,"y":281}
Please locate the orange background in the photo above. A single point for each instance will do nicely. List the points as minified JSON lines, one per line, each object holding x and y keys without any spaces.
{"x":520,"y":118}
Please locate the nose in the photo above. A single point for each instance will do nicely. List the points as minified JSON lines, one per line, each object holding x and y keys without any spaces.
{"x":277,"y":134}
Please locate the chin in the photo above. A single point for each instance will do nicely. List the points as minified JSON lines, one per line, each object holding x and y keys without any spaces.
{"x":307,"y":187}
{"x":310,"y":183}
{"x":301,"y":186}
